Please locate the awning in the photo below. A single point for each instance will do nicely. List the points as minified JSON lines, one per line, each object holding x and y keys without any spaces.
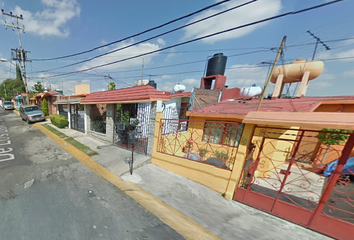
{"x":318,"y":120}
{"x":68,"y":101}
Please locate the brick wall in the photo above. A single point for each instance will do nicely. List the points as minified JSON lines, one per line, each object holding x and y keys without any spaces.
{"x":203,"y":97}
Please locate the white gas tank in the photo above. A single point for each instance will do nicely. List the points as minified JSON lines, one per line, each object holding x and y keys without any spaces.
{"x":250,"y":92}
{"x":179,"y":88}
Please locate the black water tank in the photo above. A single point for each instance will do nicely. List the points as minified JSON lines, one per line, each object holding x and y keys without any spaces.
{"x":216,"y":65}
{"x":152,"y":84}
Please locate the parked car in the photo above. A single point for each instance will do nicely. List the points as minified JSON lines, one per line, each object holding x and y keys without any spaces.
{"x":7,"y":105}
{"x":31,"y":113}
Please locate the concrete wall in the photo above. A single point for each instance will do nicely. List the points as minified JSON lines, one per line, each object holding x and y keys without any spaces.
{"x":82,"y":89}
{"x":220,"y":180}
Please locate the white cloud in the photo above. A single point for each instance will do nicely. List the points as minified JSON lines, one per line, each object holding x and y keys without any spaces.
{"x":125,"y":53}
{"x":240,"y":16}
{"x":161,"y":42}
{"x":245,"y":75}
{"x":349,"y":73}
{"x":52,"y":20}
{"x":346,"y":55}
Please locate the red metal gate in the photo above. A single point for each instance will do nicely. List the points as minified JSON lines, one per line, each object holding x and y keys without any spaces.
{"x":278,"y":177}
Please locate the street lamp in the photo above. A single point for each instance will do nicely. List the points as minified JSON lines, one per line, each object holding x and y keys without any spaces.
{"x":5,"y":60}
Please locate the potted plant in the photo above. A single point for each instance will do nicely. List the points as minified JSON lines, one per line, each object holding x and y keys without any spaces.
{"x":329,"y":137}
{"x":203,"y":152}
{"x":221,"y":155}
{"x":188,"y":147}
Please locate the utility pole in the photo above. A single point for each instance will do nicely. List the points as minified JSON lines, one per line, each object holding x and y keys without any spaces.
{"x":318,"y":40}
{"x":5,"y":89}
{"x":19,"y":55}
{"x":271,"y":73}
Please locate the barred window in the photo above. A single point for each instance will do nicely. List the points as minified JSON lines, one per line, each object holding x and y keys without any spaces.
{"x":222,"y":133}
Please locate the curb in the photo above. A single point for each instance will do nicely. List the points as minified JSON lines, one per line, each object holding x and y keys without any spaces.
{"x":173,"y":218}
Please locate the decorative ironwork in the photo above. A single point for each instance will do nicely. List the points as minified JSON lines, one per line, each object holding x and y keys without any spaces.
{"x":142,"y":115}
{"x":286,"y":168}
{"x":206,"y":142}
{"x":77,"y":118}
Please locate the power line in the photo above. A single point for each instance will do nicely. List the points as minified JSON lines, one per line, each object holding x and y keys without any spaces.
{"x":156,"y":36}
{"x":203,"y":37}
{"x":138,"y":34}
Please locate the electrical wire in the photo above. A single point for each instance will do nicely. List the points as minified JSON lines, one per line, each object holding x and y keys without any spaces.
{"x":156,"y":36}
{"x":138,"y":34}
{"x":204,"y":37}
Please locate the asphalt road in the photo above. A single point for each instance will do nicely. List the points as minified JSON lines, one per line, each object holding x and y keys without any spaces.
{"x":45,"y":193}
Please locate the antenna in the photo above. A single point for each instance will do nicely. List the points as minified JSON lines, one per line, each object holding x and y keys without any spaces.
{"x":318,"y":40}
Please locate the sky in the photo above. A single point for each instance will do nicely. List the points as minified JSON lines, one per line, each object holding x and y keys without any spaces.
{"x":56,"y":29}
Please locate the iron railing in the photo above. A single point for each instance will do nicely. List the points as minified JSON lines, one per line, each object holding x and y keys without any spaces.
{"x":209,"y":142}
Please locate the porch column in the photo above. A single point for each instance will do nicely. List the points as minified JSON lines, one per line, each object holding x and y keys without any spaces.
{"x":237,"y":169}
{"x":152,"y":128}
{"x":110,"y":128}
{"x":69,"y":115}
{"x":87,"y":118}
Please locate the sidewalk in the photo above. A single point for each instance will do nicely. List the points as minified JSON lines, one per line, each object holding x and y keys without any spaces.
{"x":190,"y":208}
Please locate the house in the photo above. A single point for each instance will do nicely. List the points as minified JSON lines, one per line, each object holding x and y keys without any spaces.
{"x":51,"y":97}
{"x":109,"y":114}
{"x":21,"y":99}
{"x":35,"y":100}
{"x":70,"y":107}
{"x":266,"y":158}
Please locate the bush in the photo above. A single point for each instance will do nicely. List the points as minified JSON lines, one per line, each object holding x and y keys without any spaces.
{"x":59,"y":120}
{"x":45,"y":107}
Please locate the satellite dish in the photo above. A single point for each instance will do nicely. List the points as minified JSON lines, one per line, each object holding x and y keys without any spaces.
{"x":179,"y":88}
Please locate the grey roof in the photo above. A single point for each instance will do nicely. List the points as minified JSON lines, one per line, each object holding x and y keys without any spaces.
{"x":68,"y":101}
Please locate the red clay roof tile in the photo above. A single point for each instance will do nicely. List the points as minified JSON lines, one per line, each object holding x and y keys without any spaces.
{"x":241,"y":107}
{"x":133,"y":94}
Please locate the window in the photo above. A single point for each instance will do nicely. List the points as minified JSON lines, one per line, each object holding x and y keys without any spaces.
{"x":222,"y":133}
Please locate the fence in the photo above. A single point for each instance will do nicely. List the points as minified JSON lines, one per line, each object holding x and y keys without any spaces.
{"x":209,"y":142}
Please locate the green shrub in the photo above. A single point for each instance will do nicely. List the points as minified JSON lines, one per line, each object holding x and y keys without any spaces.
{"x":59,"y":120}
{"x":45,"y":107}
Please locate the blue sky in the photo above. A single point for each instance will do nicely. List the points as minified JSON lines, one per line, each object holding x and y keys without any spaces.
{"x":55,"y":28}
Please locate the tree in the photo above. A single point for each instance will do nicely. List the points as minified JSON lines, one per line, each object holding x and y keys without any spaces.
{"x":38,"y":87}
{"x":18,"y":73}
{"x":10,"y":87}
{"x":45,"y":107}
{"x":329,"y":137}
{"x":111,"y":86}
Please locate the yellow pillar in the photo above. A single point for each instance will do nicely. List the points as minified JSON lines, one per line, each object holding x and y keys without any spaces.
{"x":159,"y":116}
{"x":239,"y":161}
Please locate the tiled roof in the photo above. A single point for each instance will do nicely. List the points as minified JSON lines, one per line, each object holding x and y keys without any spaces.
{"x":73,"y":100}
{"x":144,"y":93}
{"x":242,"y":107}
{"x":51,"y":93}
{"x":184,"y":94}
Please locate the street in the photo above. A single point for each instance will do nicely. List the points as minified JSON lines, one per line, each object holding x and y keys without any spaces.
{"x":45,"y":193}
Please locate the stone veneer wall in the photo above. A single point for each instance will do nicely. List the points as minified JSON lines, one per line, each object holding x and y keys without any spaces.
{"x":151,"y":128}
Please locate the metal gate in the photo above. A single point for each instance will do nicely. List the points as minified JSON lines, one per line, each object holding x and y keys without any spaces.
{"x":77,"y":115}
{"x":63,"y":110}
{"x":279,"y":177}
{"x":143,"y":111}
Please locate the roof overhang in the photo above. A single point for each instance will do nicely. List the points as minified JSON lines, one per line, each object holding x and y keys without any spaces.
{"x":317,"y":120}
{"x":218,"y":116}
{"x":128,"y":101}
{"x":68,"y":101}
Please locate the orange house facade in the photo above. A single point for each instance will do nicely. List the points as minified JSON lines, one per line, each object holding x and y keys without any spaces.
{"x":265,"y":158}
